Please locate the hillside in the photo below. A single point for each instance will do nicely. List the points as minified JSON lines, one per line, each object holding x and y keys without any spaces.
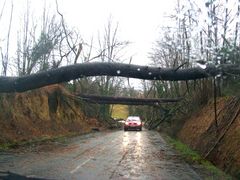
{"x":219,"y":145}
{"x":45,"y":112}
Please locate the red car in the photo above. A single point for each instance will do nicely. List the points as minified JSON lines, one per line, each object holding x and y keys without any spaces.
{"x":133,"y":122}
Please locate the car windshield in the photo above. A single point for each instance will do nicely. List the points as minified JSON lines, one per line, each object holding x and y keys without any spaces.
{"x":133,"y":119}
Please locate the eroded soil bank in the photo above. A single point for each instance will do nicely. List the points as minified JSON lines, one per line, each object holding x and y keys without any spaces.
{"x":42,"y":113}
{"x":218,"y":141}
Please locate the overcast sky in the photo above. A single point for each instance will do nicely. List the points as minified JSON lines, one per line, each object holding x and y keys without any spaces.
{"x":139,"y":20}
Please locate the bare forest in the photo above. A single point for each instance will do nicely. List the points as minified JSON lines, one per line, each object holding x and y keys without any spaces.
{"x":193,"y":63}
{"x":196,"y":37}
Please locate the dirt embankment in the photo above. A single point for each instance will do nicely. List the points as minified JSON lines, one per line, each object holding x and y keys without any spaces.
{"x":44,"y":112}
{"x":219,"y":142}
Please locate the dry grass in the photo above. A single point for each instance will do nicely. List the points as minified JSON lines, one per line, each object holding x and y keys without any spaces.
{"x":120,"y":111}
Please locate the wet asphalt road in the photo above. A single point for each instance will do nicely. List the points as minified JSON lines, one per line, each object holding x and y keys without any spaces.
{"x":102,"y":155}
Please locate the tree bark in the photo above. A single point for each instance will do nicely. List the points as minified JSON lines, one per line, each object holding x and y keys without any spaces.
{"x":67,"y":73}
{"x":126,"y":100}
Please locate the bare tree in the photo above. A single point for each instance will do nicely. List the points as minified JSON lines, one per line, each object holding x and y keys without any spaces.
{"x":199,"y":39}
{"x":109,"y":49}
{"x":24,"y":43}
{"x":2,"y":9}
{"x":5,"y":55}
{"x":47,"y":46}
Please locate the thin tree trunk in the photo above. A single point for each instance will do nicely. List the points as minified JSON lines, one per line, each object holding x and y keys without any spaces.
{"x":215,"y":104}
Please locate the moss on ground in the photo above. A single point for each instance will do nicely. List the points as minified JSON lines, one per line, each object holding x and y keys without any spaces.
{"x":36,"y":141}
{"x":192,"y":157}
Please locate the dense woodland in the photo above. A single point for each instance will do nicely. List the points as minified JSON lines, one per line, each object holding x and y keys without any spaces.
{"x":197,"y":36}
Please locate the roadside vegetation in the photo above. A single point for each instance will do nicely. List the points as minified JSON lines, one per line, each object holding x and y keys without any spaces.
{"x":34,"y":142}
{"x":38,"y":141}
{"x":192,"y":157}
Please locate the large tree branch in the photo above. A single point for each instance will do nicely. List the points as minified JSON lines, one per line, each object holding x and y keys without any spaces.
{"x":126,"y":100}
{"x":67,"y":73}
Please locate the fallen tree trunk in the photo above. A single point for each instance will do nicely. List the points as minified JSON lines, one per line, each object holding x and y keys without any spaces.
{"x":67,"y":73}
{"x":123,"y":103}
{"x":126,"y":100}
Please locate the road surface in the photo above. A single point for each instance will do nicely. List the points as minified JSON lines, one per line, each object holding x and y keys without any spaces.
{"x":101,"y":156}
